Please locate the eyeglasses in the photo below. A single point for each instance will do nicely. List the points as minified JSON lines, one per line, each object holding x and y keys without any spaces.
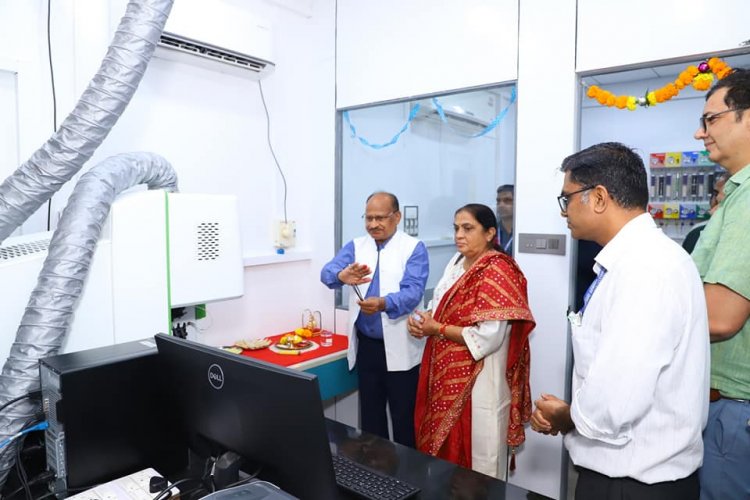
{"x":563,"y":199}
{"x":377,"y":218}
{"x":710,"y":118}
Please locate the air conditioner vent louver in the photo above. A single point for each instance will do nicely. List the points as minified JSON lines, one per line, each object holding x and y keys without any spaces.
{"x":210,"y":53}
{"x":23,"y":249}
{"x":208,"y":241}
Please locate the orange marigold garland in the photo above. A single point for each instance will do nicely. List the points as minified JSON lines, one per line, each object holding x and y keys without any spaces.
{"x":700,"y":77}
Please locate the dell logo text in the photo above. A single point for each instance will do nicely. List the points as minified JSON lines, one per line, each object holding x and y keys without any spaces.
{"x":215,"y":376}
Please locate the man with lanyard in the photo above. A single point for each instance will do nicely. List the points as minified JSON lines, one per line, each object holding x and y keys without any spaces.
{"x":640,"y":342}
{"x":722,"y":255}
{"x":388,"y":271}
{"x":504,"y":210}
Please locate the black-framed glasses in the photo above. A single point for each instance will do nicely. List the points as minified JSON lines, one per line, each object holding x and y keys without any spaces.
{"x":710,"y":118}
{"x":377,"y":218}
{"x":564,"y":198}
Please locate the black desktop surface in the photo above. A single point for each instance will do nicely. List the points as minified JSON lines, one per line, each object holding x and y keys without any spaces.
{"x":438,"y":479}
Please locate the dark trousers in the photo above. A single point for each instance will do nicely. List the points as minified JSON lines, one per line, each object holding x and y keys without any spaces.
{"x":378,"y":386}
{"x":594,"y":486}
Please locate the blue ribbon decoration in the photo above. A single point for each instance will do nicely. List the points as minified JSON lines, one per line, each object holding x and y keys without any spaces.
{"x":494,"y":123}
{"x":395,"y":138}
{"x":439,"y":108}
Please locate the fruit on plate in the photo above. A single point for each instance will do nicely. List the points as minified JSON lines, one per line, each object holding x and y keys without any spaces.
{"x":291,"y":338}
{"x":304,"y":332}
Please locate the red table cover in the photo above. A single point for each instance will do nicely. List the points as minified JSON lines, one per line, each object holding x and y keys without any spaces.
{"x":340,"y":343}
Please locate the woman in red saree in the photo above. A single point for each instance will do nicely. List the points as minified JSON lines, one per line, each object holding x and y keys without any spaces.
{"x":473,"y":395}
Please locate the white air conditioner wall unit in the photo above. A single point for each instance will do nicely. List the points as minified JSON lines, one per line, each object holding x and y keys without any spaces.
{"x":467,"y":112}
{"x":214,"y":34}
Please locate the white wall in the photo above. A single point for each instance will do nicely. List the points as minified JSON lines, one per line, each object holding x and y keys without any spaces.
{"x":621,"y":32}
{"x":547,"y":110}
{"x":212,"y":127}
{"x":392,"y":49}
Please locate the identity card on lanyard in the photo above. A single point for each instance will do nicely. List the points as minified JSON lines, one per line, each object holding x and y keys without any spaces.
{"x":576,"y":318}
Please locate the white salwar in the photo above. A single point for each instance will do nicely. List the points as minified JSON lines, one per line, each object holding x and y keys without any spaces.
{"x":490,"y":396}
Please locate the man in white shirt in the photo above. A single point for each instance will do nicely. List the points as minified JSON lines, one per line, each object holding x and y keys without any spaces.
{"x":640,"y":342}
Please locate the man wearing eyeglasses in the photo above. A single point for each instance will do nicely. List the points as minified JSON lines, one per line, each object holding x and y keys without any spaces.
{"x":640,"y":342}
{"x":722,"y":255}
{"x":387,"y":270}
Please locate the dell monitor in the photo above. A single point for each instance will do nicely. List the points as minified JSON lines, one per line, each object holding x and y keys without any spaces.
{"x":269,"y":415}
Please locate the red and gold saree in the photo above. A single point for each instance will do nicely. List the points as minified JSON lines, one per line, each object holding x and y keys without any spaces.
{"x":494,"y":288}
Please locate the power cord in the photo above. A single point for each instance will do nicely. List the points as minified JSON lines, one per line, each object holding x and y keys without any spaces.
{"x":21,"y":472}
{"x":41,"y":478}
{"x":270,"y":146}
{"x":203,"y":480}
{"x":167,"y":492}
{"x":54,"y":98}
{"x":32,"y":394}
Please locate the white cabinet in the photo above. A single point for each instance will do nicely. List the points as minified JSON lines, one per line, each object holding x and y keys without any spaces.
{"x":615,"y":33}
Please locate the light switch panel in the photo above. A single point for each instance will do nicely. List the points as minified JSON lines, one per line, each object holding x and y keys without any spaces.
{"x":541,"y":243}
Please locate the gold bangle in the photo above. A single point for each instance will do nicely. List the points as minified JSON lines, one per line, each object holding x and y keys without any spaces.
{"x":441,"y":330}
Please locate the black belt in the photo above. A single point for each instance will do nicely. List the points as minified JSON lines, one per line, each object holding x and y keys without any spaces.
{"x":714,"y":395}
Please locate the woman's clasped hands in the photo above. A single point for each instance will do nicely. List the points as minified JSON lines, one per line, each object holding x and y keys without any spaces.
{"x":421,"y":324}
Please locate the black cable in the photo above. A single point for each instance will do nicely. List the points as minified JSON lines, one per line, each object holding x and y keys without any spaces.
{"x":54,"y":98}
{"x":168,"y":489}
{"x":51,"y":68}
{"x":270,"y":146}
{"x":20,"y":471}
{"x":31,"y":394}
{"x":44,"y":476}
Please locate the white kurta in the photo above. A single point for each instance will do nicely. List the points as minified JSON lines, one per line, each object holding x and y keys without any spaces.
{"x":490,"y":396}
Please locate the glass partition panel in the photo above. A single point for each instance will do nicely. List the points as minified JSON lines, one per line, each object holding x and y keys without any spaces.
{"x":435,"y":154}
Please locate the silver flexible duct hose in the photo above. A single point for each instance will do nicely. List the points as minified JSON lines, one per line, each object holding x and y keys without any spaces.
{"x":52,"y":303}
{"x":97,"y":111}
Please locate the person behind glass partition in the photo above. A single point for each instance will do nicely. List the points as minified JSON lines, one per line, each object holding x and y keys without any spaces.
{"x":473,"y":395}
{"x":717,"y":194}
{"x":504,"y":214}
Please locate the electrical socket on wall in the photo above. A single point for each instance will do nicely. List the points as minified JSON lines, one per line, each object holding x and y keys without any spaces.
{"x":285,"y":234}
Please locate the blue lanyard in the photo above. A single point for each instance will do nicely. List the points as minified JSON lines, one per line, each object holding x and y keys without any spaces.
{"x":508,"y":245}
{"x":591,"y":289}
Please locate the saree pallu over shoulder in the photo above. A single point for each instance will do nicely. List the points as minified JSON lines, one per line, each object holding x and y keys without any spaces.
{"x":494,"y":288}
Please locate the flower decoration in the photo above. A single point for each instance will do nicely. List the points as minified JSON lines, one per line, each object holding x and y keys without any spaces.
{"x":700,"y":77}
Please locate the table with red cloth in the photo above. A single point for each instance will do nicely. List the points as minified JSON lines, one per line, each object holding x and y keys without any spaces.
{"x":328,"y":363}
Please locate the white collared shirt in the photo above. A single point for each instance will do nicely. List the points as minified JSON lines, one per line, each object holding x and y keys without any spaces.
{"x":641,"y":374}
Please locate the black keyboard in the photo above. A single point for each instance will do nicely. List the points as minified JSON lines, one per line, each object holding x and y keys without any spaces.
{"x":369,"y":483}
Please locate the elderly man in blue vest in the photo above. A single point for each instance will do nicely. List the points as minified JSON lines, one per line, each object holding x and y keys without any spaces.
{"x":388,"y":270}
